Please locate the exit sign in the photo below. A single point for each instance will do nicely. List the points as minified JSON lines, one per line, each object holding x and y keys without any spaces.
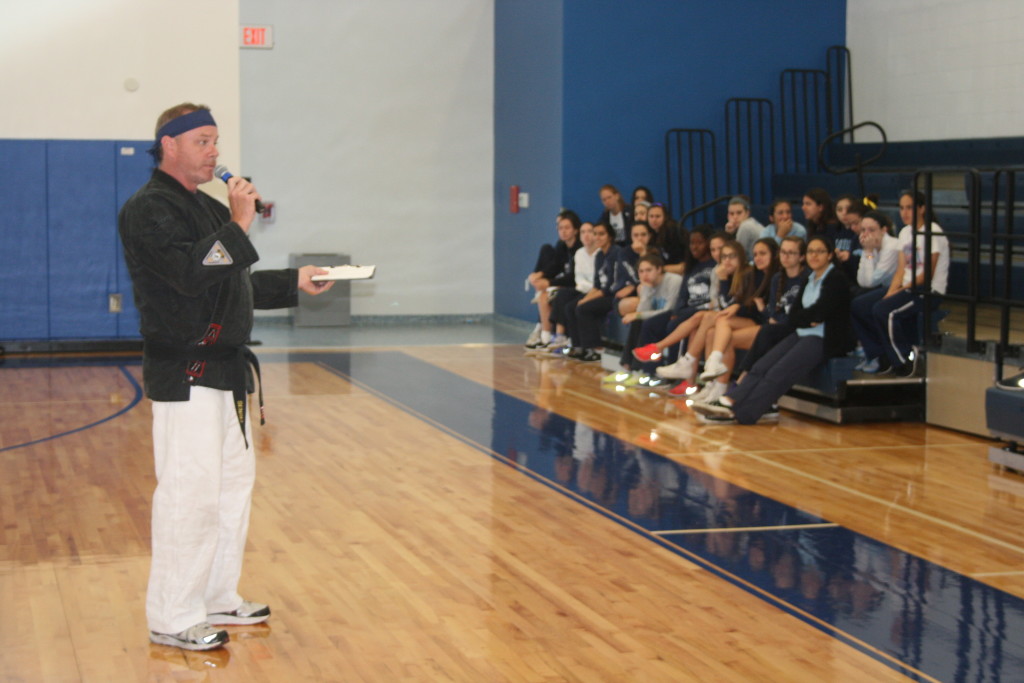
{"x":258,"y":37}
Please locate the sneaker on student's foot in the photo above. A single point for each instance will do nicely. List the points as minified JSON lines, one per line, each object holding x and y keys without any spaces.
{"x":771,"y":417}
{"x":868,"y":365}
{"x":532,"y":342}
{"x":684,"y":388}
{"x":202,"y":636}
{"x":710,"y":392}
{"x":655,"y":382}
{"x":712,"y":370}
{"x":635,"y":379}
{"x":647,"y":353}
{"x":717,"y":409}
{"x":558,"y":342}
{"x":589,"y":356}
{"x":247,"y":613}
{"x":617,"y":377}
{"x":681,"y":369}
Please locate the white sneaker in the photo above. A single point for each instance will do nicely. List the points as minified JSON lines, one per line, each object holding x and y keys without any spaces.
{"x":681,"y":369}
{"x":714,"y":409}
{"x":557,"y":342}
{"x":202,"y":636}
{"x":533,"y":341}
{"x":712,"y":370}
{"x":710,"y":392}
{"x":247,"y":613}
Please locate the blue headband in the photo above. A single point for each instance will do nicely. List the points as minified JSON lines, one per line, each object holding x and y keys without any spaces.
{"x":183,"y":124}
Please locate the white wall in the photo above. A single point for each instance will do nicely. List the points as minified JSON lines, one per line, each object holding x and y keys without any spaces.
{"x":938,"y":69}
{"x":370,"y":126}
{"x":65,"y":63}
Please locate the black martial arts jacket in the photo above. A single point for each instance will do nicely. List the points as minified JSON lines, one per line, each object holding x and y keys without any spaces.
{"x":189,"y":265}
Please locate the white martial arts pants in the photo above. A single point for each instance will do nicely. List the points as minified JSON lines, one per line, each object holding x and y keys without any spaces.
{"x":205,"y":475}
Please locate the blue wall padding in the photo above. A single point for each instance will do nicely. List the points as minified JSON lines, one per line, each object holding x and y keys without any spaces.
{"x":61,"y":259}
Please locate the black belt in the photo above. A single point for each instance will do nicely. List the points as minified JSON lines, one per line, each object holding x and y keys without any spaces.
{"x":197,"y":356}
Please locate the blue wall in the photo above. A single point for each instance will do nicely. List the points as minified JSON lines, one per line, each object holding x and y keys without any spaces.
{"x":528,"y":125}
{"x":62,"y":258}
{"x":626,"y":72}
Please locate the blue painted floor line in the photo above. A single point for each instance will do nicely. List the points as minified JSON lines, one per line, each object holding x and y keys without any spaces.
{"x":921,"y":619}
{"x":136,"y":397}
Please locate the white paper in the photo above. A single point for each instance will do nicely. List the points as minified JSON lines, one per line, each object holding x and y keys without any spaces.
{"x":345,"y":273}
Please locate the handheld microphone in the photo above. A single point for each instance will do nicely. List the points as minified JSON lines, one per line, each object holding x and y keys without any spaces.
{"x":222,"y":172}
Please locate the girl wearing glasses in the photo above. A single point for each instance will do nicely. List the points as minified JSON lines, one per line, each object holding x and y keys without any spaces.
{"x":820,"y":320}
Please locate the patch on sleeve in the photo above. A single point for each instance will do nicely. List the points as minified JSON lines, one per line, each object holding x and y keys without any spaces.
{"x":218,"y":256}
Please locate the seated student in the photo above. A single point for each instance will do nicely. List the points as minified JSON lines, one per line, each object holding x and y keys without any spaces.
{"x":849,"y":211}
{"x":659,"y":292}
{"x":878,"y":264}
{"x":617,"y":215}
{"x":782,"y":223}
{"x":584,"y":321}
{"x":641,"y":193}
{"x":880,"y":251}
{"x":820,"y":321}
{"x":895,"y":315}
{"x":640,"y":208}
{"x":564,"y":299}
{"x":733,"y":277}
{"x":741,"y":226}
{"x":783,"y":291}
{"x":737,"y":326}
{"x":553,"y":269}
{"x":819,"y":212}
{"x":694,"y":296}
{"x":641,"y":237}
{"x":672,"y":239}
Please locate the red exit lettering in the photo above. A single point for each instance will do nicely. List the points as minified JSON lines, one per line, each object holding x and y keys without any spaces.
{"x":255,"y":36}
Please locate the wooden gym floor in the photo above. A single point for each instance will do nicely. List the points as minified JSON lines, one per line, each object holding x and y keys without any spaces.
{"x":468,"y":513}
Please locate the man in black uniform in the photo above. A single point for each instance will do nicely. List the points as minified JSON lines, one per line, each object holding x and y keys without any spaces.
{"x":189,"y":259}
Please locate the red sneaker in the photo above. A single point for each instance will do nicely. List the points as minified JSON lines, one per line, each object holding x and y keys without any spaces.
{"x":684,"y":388}
{"x":647,"y":353}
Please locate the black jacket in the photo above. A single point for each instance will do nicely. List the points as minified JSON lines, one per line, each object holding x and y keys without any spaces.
{"x":189,"y":265}
{"x":831,"y":308}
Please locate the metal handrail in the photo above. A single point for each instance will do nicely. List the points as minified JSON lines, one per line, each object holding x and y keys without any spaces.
{"x":859,"y":163}
{"x":704,"y":207}
{"x":973,"y":236}
{"x":701,"y":153}
{"x":751,"y":175}
{"x":806,"y":121}
{"x":836,"y":95}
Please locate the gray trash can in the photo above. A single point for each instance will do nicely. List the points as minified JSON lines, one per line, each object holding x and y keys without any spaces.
{"x":333,"y":308}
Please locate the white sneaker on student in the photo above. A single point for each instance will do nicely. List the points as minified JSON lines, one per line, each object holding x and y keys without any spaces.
{"x":713,"y":368}
{"x":711,"y":392}
{"x":715,"y":409}
{"x":681,"y":369}
{"x":533,"y":341}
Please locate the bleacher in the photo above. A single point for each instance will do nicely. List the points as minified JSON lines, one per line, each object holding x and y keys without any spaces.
{"x":973,"y":187}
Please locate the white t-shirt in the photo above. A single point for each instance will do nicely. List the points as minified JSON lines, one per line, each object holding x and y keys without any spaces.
{"x":583,"y":269}
{"x":940,"y":245}
{"x":877,"y":267}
